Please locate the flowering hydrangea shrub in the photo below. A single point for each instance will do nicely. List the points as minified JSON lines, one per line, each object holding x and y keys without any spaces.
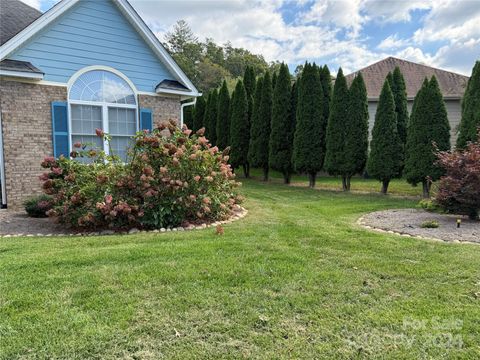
{"x":168,"y":181}
{"x":459,"y":190}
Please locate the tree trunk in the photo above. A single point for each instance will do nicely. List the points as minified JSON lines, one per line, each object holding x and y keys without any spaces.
{"x":265,"y":174}
{"x":473,"y":214}
{"x":286,"y":178}
{"x":344,"y":183}
{"x":311,"y":179}
{"x":246,"y":170}
{"x":426,"y":189}
{"x":349,"y":178}
{"x":385,"y":186}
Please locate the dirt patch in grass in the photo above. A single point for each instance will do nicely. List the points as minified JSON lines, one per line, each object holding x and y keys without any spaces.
{"x":409,"y":221}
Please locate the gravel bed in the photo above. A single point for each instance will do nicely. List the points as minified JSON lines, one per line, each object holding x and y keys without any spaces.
{"x":408,"y":221}
{"x":14,"y":224}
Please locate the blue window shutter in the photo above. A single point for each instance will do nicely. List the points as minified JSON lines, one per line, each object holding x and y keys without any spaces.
{"x":60,"y":129}
{"x":146,"y":120}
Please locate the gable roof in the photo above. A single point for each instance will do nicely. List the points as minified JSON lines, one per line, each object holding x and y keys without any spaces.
{"x":130,"y":14}
{"x":451,"y":84}
{"x":15,"y":16}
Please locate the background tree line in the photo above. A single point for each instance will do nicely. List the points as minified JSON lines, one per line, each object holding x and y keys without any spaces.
{"x":302,"y":124}
{"x":208,"y":64}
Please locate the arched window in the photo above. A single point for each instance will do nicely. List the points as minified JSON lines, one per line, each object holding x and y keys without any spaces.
{"x":101,"y":99}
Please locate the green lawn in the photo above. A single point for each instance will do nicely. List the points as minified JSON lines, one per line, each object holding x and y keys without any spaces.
{"x":295,"y":279}
{"x":359,"y":184}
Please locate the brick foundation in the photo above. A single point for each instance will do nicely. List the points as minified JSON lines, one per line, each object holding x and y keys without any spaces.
{"x":27,"y":131}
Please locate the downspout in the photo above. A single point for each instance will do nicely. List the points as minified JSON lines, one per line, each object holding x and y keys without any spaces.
{"x":3,"y":204}
{"x":181,"y":110}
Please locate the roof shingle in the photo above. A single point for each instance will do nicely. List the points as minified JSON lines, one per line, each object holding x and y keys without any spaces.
{"x":171,"y":85}
{"x":14,"y":17}
{"x":20,"y":66}
{"x":451,"y":84}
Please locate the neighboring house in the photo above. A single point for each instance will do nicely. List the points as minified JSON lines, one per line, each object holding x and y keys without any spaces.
{"x":82,"y":65}
{"x":451,"y":84}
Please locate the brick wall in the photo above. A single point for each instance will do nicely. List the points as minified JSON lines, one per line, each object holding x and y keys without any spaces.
{"x":27,"y":135}
{"x":163,"y":108}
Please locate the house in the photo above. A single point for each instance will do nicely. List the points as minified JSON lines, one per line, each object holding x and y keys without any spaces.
{"x":82,"y":65}
{"x":451,"y":84}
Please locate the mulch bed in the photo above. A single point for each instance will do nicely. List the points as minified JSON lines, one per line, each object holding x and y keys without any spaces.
{"x":408,"y":222}
{"x":14,"y":224}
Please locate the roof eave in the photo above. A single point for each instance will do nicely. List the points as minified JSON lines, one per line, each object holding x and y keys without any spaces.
{"x":47,"y":18}
{"x":21,"y":74}
{"x":178,"y":92}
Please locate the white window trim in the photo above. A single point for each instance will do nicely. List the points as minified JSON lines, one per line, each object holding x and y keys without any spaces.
{"x":104,"y":105}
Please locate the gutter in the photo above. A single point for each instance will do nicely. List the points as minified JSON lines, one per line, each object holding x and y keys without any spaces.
{"x":21,"y":74}
{"x":183,"y":106}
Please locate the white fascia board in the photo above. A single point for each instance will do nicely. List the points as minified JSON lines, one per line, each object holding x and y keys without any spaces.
{"x":178,"y":92}
{"x":21,"y":74}
{"x":23,"y":36}
{"x":47,"y":18}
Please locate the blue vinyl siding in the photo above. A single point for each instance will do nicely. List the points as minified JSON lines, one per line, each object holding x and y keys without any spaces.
{"x":93,"y":32}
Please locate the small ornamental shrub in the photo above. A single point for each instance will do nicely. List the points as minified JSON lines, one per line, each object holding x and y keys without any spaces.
{"x":459,"y":190}
{"x":429,"y":205}
{"x":38,"y":206}
{"x":429,"y":224}
{"x":168,"y":181}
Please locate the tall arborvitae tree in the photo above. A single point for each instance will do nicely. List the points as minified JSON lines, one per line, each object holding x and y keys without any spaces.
{"x":385,"y":160}
{"x":336,"y":162}
{"x":223,"y":117}
{"x":309,"y":140}
{"x":257,"y":100}
{"x":470,"y":121}
{"x":239,"y":140}
{"x":281,"y":136}
{"x":356,"y":137}
{"x":399,"y":91}
{"x":199,"y":113}
{"x":428,"y":130}
{"x":260,"y":128}
{"x":294,"y":100}
{"x":249,"y":84}
{"x":188,"y":116}
{"x":326,"y":80}
{"x":210,"y":118}
{"x":274,"y":80}
{"x":249,"y":80}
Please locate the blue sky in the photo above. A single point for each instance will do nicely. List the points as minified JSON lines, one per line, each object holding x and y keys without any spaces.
{"x":347,"y":33}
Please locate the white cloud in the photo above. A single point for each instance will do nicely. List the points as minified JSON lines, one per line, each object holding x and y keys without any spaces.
{"x":33,"y":3}
{"x":450,"y":20}
{"x":391,"y":11}
{"x":341,"y":13}
{"x":318,"y":33}
{"x":393,"y":42}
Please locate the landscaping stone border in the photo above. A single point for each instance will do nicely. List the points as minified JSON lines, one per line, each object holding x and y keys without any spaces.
{"x":363,"y":222}
{"x":240,"y":213}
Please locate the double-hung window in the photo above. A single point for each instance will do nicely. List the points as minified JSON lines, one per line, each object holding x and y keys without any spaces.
{"x":100,"y":99}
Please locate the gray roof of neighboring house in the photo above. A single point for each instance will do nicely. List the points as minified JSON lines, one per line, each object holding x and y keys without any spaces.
{"x":171,"y":85}
{"x":22,"y":66}
{"x":451,"y":84}
{"x":14,"y":17}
